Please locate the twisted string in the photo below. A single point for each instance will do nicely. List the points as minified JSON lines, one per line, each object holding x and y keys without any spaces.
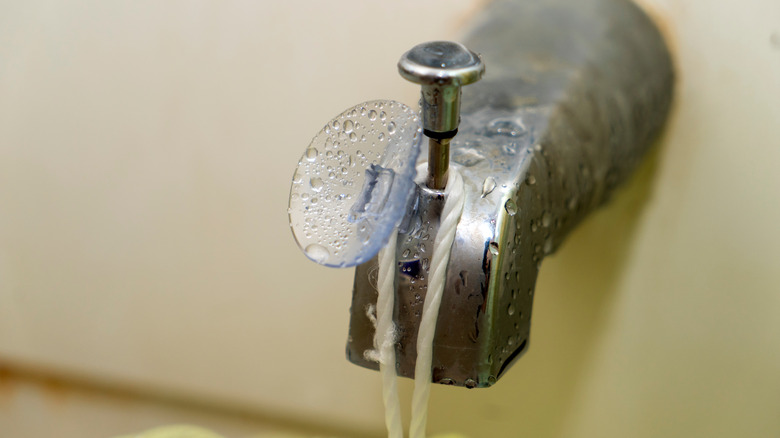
{"x":385,"y":332}
{"x":384,"y":338}
{"x":450,"y":216}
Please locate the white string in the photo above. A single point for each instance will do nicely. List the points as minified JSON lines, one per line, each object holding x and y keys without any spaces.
{"x":385,"y":332}
{"x":450,"y":216}
{"x":385,"y":337}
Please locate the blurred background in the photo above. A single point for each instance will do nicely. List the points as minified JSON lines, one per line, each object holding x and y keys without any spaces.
{"x":148,"y":275}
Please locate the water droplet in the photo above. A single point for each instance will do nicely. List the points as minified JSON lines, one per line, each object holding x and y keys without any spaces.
{"x":546,"y":219}
{"x":467,"y":157}
{"x":447,"y":381}
{"x":510,"y":207}
{"x":493,"y":248}
{"x":531,"y":180}
{"x":510,"y":309}
{"x":382,"y":115}
{"x":316,"y":184}
{"x":316,"y":252}
{"x":507,"y":127}
{"x":548,"y":245}
{"x":372,"y":115}
{"x":311,"y":154}
{"x":391,"y":128}
{"x":488,"y":186}
{"x":353,"y":136}
{"x":336,"y":125}
{"x":534,"y":227}
{"x":406,"y":253}
{"x":470,"y":383}
{"x":572,"y":203}
{"x":349,"y":126}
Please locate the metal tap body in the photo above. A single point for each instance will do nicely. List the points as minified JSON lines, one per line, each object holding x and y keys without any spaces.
{"x":575,"y":93}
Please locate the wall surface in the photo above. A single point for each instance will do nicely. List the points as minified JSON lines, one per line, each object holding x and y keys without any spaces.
{"x":146,"y":154}
{"x":146,"y":150}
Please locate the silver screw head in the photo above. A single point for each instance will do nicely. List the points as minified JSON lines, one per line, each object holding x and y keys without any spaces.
{"x":442,"y":68}
{"x":443,"y":63}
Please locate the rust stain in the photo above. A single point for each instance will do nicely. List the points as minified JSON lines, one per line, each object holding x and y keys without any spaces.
{"x":58,"y":390}
{"x":55,"y":390}
{"x":7,"y":386}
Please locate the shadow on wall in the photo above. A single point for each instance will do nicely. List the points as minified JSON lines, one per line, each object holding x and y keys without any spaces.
{"x":574,"y":292}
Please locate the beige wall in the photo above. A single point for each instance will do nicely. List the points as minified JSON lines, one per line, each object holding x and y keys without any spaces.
{"x":146,"y":150}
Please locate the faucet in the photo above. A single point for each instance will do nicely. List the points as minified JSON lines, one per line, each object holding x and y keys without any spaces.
{"x":576,"y":92}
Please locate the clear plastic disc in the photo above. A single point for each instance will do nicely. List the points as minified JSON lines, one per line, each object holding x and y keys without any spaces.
{"x":354,"y":182}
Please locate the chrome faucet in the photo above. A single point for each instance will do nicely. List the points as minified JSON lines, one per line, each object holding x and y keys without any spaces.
{"x":575,"y":93}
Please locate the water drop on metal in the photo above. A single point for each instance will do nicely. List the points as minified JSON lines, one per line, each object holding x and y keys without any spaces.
{"x":488,"y":186}
{"x":510,"y":207}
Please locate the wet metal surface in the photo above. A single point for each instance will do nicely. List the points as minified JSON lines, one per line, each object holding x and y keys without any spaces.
{"x":574,"y":94}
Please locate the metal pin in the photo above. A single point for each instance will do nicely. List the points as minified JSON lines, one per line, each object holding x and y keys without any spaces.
{"x":442,"y":68}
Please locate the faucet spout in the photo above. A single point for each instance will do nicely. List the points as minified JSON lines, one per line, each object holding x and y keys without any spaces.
{"x":577,"y":91}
